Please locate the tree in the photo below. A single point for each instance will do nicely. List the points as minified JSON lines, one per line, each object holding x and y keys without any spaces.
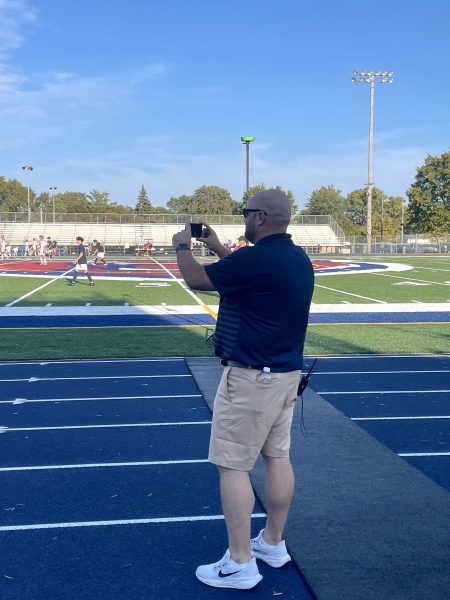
{"x":429,"y":196}
{"x":327,"y":200}
{"x":71,"y":202}
{"x":180,"y":205}
{"x":261,"y":187}
{"x":143,"y":204}
{"x":212,"y":200}
{"x":14,"y":196}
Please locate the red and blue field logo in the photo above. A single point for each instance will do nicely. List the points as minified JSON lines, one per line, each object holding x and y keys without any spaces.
{"x":167,"y":269}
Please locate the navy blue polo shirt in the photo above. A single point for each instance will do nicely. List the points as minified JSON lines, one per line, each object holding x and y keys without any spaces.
{"x":265,"y":295}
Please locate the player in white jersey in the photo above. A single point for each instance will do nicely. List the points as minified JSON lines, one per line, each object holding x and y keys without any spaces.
{"x":42,"y":249}
{"x":2,"y":246}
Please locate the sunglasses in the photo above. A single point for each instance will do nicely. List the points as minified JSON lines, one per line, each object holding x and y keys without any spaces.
{"x":247,"y":211}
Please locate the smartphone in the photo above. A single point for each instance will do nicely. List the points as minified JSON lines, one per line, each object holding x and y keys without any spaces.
{"x":196,"y":230}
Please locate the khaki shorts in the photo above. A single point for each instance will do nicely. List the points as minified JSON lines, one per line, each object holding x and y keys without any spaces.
{"x":250,"y":417}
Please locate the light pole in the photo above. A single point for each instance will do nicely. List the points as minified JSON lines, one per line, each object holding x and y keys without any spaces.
{"x":28,"y":168}
{"x":247,"y":140}
{"x":52,"y":192}
{"x":371,"y":77}
{"x":403,"y":225}
{"x":382,"y":222}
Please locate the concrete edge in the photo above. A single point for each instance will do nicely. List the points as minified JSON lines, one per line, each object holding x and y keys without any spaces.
{"x":364,"y":523}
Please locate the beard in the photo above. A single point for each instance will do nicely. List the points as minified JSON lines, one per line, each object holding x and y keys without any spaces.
{"x":249,"y":233}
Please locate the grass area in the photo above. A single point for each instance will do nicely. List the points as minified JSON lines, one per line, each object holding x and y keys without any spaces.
{"x":134,"y":342}
{"x":432,"y":273}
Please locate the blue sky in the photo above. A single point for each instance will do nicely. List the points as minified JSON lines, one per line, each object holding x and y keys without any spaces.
{"x":113,"y":94}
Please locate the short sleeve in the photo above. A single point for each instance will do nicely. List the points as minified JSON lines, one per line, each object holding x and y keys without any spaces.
{"x":234,"y":273}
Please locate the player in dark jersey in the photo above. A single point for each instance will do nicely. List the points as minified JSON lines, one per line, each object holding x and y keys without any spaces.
{"x":99,"y":252}
{"x":80,"y":263}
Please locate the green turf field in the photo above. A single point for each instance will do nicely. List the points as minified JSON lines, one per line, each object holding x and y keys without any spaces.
{"x":428,"y":281}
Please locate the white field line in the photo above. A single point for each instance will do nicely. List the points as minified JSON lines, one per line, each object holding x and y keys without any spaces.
{"x":39,"y":288}
{"x":110,"y":426}
{"x":419,"y":454}
{"x":376,"y":356}
{"x":150,"y":463}
{"x":120,"y":522}
{"x":183,"y":285}
{"x":433,"y":269}
{"x":36,"y":400}
{"x":398,"y":418}
{"x":34,"y":379}
{"x":385,"y":392}
{"x":412,"y":279}
{"x":349,"y":294}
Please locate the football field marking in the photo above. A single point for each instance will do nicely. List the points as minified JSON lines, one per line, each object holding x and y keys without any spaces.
{"x":349,"y":294}
{"x":182,"y":284}
{"x":39,"y":288}
{"x":425,"y":281}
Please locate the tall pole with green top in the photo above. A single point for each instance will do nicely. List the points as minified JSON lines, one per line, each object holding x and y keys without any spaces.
{"x":247,"y":140}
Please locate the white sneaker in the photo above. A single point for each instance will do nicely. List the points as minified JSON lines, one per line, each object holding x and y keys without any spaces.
{"x":275,"y":556}
{"x":225,"y":573}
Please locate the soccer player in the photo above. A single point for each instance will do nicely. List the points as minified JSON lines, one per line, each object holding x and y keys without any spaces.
{"x":42,"y":249}
{"x":2,"y":246}
{"x":80,"y":262}
{"x":99,"y":252}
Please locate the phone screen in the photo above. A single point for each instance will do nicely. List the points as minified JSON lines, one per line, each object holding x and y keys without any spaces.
{"x":196,"y":230}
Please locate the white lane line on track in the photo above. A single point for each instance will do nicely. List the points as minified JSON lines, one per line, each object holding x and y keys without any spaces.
{"x":399,"y":418}
{"x":369,"y":372}
{"x":39,"y":288}
{"x":349,"y":294}
{"x":34,"y":379}
{"x":26,"y":400}
{"x":419,"y":454}
{"x":113,"y":426}
{"x":82,"y":361}
{"x":150,"y":463}
{"x":120,"y":522}
{"x":384,"y":392}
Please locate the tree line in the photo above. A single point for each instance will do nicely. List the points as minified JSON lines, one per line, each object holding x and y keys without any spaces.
{"x":427,"y":209}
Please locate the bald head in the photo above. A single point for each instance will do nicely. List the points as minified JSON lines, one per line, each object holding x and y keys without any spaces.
{"x":270,"y":212}
{"x":276,"y":205}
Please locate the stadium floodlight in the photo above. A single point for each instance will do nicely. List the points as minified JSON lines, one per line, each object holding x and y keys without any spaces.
{"x":371,"y":77}
{"x":247,"y":140}
{"x":52,"y":189}
{"x":28,"y":168}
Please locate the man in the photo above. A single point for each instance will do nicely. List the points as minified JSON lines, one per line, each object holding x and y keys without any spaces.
{"x":99,"y":252}
{"x":265,"y":295}
{"x":80,"y":262}
{"x":2,"y":246}
{"x":42,"y":250}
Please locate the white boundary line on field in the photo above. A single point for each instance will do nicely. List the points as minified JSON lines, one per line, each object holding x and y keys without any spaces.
{"x":183,"y":285}
{"x":40,"y":287}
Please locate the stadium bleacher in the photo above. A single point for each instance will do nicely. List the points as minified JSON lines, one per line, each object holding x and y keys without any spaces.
{"x":134,"y":235}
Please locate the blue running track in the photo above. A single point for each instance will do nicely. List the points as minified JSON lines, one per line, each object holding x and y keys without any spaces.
{"x":106,"y":492}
